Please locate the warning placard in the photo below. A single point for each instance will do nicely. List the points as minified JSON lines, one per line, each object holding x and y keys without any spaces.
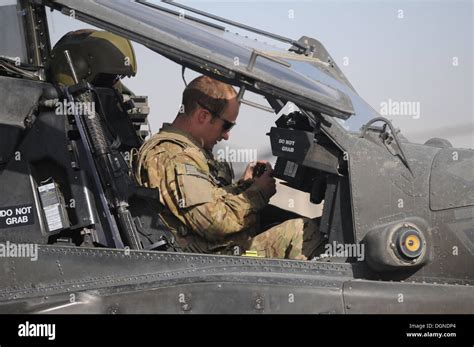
{"x":16,"y":216}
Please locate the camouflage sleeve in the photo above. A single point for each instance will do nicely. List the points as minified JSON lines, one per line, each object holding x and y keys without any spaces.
{"x":239,"y":187}
{"x":206,"y":208}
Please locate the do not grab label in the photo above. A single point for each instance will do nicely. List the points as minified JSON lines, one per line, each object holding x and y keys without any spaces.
{"x":16,"y":216}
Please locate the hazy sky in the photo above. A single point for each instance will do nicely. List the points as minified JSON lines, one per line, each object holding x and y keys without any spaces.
{"x":418,"y":52}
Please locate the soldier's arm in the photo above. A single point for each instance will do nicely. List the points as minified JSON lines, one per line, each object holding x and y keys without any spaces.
{"x":239,"y":186}
{"x":209,"y":210}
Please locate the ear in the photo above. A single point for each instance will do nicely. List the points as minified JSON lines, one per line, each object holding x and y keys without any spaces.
{"x":201,"y":116}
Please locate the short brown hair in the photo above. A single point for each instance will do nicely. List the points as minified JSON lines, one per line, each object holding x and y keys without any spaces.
{"x":208,"y":92}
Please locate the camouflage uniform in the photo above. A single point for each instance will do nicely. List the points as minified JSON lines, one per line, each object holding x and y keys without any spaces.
{"x":206,"y":212}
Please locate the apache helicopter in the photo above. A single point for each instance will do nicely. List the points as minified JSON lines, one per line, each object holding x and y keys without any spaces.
{"x":65,"y":182}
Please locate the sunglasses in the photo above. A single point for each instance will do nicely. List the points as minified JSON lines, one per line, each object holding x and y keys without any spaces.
{"x":226,"y":125}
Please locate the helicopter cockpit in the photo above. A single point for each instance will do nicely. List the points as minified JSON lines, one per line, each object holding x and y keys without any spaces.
{"x":327,"y":147}
{"x":86,"y":66}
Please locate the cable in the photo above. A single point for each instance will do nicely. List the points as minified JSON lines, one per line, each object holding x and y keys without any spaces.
{"x":15,"y":70}
{"x":394,"y":134}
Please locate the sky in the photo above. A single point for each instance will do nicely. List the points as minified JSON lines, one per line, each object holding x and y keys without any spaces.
{"x":392,"y":52}
{"x":415,"y":53}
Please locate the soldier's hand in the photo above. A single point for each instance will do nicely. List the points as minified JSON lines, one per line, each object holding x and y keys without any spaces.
{"x":248,"y":174}
{"x":266,"y":182}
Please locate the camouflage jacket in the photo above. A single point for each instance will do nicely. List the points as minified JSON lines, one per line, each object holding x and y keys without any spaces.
{"x":205,"y":210}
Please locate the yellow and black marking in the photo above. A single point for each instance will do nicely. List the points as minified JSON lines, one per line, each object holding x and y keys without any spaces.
{"x":253,"y":254}
{"x":410,"y":243}
{"x":413,"y":243}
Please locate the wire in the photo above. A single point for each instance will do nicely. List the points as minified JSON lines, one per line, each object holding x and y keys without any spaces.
{"x":394,"y":134}
{"x":6,"y":65}
{"x":50,"y":179}
{"x":24,"y":66}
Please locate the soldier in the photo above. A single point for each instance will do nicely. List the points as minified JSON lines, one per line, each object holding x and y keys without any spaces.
{"x":206,"y":212}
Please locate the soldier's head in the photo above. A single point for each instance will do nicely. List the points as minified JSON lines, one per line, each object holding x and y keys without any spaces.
{"x":209,"y":110}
